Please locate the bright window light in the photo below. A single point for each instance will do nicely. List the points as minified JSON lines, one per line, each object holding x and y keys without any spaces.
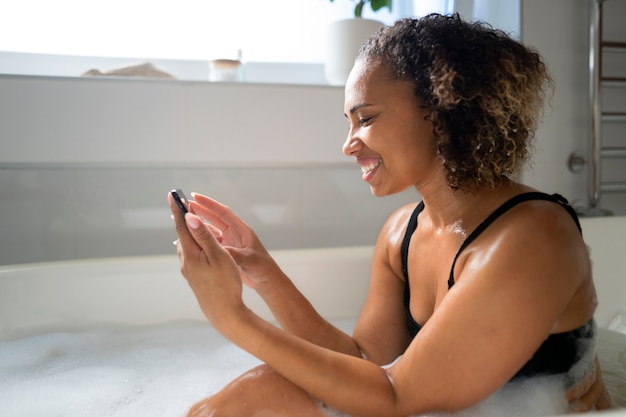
{"x":279,"y":31}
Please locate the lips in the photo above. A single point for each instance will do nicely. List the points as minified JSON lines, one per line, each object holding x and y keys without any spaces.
{"x":368,"y":166}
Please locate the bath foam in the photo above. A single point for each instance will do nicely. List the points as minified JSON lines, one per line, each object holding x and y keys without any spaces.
{"x":117,"y":371}
{"x":612,"y":354}
{"x":161,"y":370}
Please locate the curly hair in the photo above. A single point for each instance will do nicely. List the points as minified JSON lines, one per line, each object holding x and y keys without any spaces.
{"x":483,"y":89}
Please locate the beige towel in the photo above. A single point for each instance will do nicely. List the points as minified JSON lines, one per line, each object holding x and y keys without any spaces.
{"x":146,"y":70}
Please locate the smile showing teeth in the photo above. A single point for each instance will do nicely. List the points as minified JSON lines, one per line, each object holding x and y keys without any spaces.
{"x":370,"y":167}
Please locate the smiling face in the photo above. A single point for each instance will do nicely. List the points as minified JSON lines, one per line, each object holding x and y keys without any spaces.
{"x":389,"y":136}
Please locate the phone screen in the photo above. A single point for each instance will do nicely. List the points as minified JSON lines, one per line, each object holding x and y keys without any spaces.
{"x":181,"y":199}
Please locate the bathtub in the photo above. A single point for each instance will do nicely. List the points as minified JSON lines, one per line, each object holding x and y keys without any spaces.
{"x":107,"y":301}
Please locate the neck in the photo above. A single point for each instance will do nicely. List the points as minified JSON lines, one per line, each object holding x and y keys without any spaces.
{"x":450,"y":209}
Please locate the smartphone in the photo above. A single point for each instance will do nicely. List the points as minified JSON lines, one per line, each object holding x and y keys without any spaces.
{"x":181,"y":200}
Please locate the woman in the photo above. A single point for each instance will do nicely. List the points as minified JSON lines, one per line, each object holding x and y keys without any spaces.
{"x":484,"y":283}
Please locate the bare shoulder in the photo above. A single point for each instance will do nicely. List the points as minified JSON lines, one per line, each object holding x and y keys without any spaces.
{"x":550,"y":236}
{"x":544,"y":222}
{"x":535,"y":247}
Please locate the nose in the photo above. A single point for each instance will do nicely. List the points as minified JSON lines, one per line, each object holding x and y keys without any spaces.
{"x":351,"y":145}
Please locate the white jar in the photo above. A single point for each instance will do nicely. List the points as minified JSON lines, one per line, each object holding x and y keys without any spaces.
{"x":229,"y":70}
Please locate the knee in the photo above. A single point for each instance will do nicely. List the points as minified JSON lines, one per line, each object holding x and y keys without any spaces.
{"x":202,"y":409}
{"x":240,"y":397}
{"x":215,"y":406}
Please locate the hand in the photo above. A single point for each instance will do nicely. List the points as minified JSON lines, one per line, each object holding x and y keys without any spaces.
{"x":590,"y":393}
{"x":209,"y":269}
{"x":255,"y":263}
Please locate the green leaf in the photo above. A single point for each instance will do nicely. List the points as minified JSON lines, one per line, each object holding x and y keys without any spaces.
{"x":358,"y":9}
{"x":379,"y":4}
{"x":375,"y":4}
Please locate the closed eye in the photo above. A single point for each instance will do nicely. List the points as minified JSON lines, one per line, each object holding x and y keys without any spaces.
{"x":364,"y":121}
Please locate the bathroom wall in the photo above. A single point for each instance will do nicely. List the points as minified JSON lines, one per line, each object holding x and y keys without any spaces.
{"x":559,"y":29}
{"x":85,"y":164}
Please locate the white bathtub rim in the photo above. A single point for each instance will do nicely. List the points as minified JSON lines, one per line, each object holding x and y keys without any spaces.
{"x":26,"y":306}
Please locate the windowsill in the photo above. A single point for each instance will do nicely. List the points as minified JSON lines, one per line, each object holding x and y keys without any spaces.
{"x":42,"y":65}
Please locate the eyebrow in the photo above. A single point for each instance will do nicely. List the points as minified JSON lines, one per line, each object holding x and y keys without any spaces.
{"x":356,"y":107}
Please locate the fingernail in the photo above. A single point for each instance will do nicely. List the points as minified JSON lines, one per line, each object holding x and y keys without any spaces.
{"x":193,"y":221}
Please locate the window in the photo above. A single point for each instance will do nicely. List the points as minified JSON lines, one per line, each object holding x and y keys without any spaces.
{"x":276,"y":31}
{"x":281,"y":31}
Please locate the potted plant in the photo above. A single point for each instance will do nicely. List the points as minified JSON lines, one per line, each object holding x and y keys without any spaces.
{"x":375,"y":4}
{"x":345,"y":37}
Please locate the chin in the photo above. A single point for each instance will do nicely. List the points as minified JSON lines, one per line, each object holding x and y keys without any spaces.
{"x":377,"y":192}
{"x":381,"y":192}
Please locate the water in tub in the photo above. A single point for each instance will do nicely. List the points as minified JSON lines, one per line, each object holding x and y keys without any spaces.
{"x":160,"y":370}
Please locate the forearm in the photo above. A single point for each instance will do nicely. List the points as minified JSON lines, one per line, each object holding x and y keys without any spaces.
{"x":347,"y":383}
{"x":296,"y":314}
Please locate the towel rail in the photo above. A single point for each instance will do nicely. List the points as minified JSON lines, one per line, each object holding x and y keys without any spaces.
{"x":611,"y":187}
{"x":613,"y":152}
{"x":614,"y":117}
{"x":597,"y":83}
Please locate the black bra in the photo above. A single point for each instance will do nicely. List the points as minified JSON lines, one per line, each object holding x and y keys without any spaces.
{"x":560,"y":350}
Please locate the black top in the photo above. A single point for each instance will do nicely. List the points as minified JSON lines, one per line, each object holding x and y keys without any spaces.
{"x":559,"y":351}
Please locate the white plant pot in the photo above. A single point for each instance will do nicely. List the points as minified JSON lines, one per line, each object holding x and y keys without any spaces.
{"x":343,"y":41}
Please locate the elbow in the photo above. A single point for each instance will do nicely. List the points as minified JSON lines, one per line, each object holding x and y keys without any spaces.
{"x":398,"y":406}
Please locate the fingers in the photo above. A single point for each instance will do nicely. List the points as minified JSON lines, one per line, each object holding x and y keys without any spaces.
{"x":590,"y":393}
{"x":184,"y":236}
{"x":582,"y":386}
{"x":216,"y":232}
{"x":589,"y":399}
{"x":216,"y":213}
{"x":605,"y":401}
{"x":182,"y":229}
{"x":201,"y":233}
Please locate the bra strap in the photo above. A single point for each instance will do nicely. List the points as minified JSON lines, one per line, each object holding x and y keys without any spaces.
{"x":410,"y":228}
{"x":506,"y":206}
{"x":404,"y":254}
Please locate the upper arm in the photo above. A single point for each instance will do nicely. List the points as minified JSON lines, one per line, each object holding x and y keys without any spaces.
{"x":511,"y":289}
{"x":381,"y":331}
